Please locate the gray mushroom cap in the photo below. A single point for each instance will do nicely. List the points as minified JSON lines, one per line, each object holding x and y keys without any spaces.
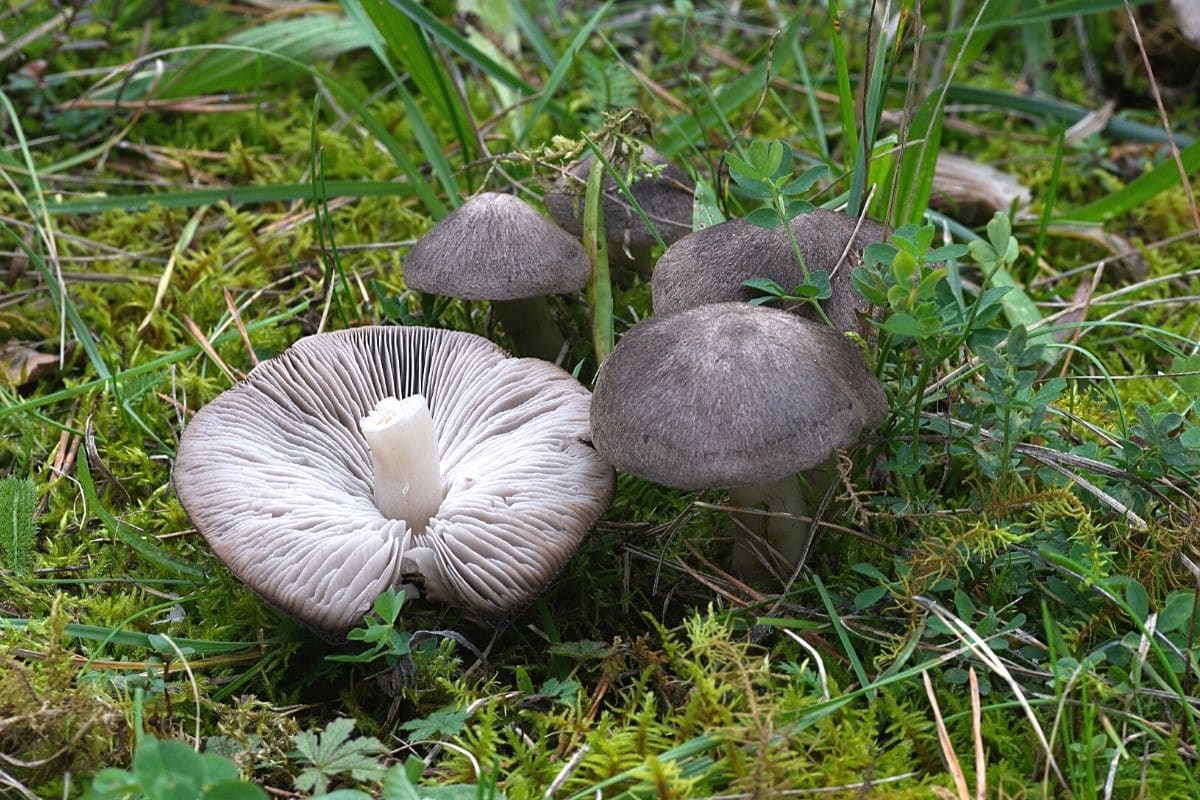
{"x":729,"y":395}
{"x":277,"y":477}
{"x":710,"y":265}
{"x":496,"y":247}
{"x":666,"y":200}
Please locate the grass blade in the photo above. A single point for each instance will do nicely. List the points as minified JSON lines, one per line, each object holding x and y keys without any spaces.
{"x":917,"y":165}
{"x":412,"y":53}
{"x":302,"y":40}
{"x":1066,"y":114}
{"x":234,"y":195}
{"x":96,"y":633}
{"x":843,"y":635}
{"x":845,"y":93}
{"x":1139,"y":190}
{"x":452,"y":39}
{"x":1048,"y":211}
{"x":560,"y":70}
{"x":142,"y":546}
{"x":599,"y":285}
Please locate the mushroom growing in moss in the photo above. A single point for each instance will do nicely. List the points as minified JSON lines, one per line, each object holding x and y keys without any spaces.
{"x":738,"y":397}
{"x":711,"y":265}
{"x":497,"y":247}
{"x":361,"y":460}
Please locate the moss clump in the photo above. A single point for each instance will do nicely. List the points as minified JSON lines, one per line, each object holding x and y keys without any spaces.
{"x":53,"y":719}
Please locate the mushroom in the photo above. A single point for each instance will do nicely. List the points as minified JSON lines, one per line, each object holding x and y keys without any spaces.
{"x":710,"y":265}
{"x":666,"y":200}
{"x":738,"y":397}
{"x":364,"y":459}
{"x":497,"y":247}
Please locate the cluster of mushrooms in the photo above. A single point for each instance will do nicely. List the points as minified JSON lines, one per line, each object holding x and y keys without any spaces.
{"x":432,"y":460}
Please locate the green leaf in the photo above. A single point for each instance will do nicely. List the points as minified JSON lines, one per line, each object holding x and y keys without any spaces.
{"x":167,"y":769}
{"x":441,"y":724}
{"x":947,"y":252}
{"x":333,"y":752}
{"x":563,"y":692}
{"x":806,"y":180}
{"x":397,"y":785}
{"x":869,"y":285}
{"x":706,"y":211}
{"x":817,"y":286}
{"x":416,"y":59}
{"x":982,"y":252}
{"x":918,"y":163}
{"x":18,"y":523}
{"x":388,"y":605}
{"x":879,"y":254}
{"x":234,"y":195}
{"x":1138,"y":600}
{"x":903,"y":324}
{"x":748,"y":177}
{"x":764,"y":218}
{"x":768,"y":159}
{"x":766,"y":286}
{"x":904,"y":267}
{"x":1191,"y":438}
{"x":1189,"y":383}
{"x":869,"y":597}
{"x":114,"y":783}
{"x":1177,"y":612}
{"x":240,"y":790}
{"x":795,"y":208}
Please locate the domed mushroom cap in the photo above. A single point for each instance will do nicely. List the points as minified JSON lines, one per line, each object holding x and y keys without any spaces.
{"x":729,"y":395}
{"x":666,"y":200}
{"x":276,"y":475}
{"x":496,"y":247}
{"x":710,"y":265}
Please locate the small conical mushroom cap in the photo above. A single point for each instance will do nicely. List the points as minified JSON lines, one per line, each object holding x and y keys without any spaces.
{"x":278,"y":478}
{"x":710,"y":265}
{"x":731,"y":395}
{"x":496,"y":247}
{"x":667,"y":201}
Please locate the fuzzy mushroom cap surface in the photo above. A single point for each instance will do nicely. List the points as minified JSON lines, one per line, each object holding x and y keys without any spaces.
{"x":278,"y":478}
{"x":729,"y":395}
{"x":710,"y":265}
{"x":666,"y":199}
{"x":496,"y":247}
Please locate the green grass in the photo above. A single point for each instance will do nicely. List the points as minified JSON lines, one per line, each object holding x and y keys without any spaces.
{"x":1021,"y":534}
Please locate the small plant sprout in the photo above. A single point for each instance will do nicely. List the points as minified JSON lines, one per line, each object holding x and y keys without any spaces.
{"x":765,"y":173}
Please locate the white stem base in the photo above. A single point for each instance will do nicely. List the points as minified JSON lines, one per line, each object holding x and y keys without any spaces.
{"x":775,"y":546}
{"x":406,"y":458}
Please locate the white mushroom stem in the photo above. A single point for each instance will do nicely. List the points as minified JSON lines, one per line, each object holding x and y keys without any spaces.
{"x":777,"y":543}
{"x":407,"y":462}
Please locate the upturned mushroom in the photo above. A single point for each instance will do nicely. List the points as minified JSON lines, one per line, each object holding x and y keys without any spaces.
{"x":711,"y":265}
{"x":738,"y":397}
{"x":665,"y":199}
{"x":497,"y":247}
{"x":371,"y":458}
